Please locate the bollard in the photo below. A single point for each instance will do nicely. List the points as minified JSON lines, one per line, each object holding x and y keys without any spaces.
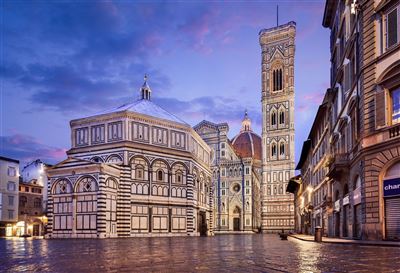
{"x":318,"y":234}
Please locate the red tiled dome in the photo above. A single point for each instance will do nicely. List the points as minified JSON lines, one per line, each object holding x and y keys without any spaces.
{"x":247,"y":144}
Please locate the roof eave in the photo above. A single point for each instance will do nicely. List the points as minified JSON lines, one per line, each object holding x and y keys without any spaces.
{"x":327,"y":19}
{"x":304,"y":153}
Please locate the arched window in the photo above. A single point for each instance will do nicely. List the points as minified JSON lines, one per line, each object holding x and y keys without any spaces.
{"x":281,"y":117}
{"x":112,"y":184}
{"x":160,"y":175}
{"x":87,"y":184}
{"x":346,"y":189}
{"x":274,"y":80}
{"x":273,"y":118}
{"x":357,"y":183}
{"x":114,"y":159}
{"x":161,"y":171}
{"x":273,"y":149}
{"x":178,"y":177}
{"x":62,"y":187}
{"x":179,"y":173}
{"x":282,"y":148}
{"x":22,"y":201}
{"x":277,"y":79}
{"x":139,"y":172}
{"x":139,"y":168}
{"x":96,"y":159}
{"x":37,"y":203}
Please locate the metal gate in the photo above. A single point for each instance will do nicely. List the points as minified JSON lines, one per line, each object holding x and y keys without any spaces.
{"x":392,"y":216}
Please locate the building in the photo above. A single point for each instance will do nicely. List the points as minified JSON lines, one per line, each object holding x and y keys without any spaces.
{"x":31,"y":218}
{"x":135,"y":170}
{"x":363,"y":160}
{"x":278,"y":49}
{"x":313,"y":188}
{"x":9,"y":182}
{"x":34,"y":173}
{"x":236,"y":168}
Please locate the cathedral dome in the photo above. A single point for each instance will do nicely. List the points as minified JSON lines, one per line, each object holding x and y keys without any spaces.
{"x":247,"y":143}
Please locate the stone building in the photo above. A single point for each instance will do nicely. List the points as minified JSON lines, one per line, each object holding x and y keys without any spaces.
{"x":9,"y":181}
{"x":31,"y":217}
{"x":363,"y":161}
{"x":35,"y":173}
{"x":313,"y":189}
{"x":135,"y":170}
{"x":236,"y":168}
{"x":278,"y":51}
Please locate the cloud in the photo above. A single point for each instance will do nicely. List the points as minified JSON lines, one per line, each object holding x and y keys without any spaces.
{"x":309,"y":101}
{"x":67,"y":88}
{"x":27,"y":148}
{"x":216,"y":109}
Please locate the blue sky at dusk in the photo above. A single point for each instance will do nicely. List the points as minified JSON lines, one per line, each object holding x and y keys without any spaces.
{"x":62,"y":60}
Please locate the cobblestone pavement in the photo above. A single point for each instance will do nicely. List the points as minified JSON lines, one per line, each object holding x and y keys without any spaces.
{"x":224,"y":253}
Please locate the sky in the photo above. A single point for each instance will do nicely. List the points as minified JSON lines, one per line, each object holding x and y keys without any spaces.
{"x":61,"y":60}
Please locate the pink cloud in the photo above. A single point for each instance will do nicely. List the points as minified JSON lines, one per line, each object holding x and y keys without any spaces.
{"x":27,"y":148}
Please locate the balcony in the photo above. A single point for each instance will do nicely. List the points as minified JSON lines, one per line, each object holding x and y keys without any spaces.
{"x":394,"y":131}
{"x":338,"y":165}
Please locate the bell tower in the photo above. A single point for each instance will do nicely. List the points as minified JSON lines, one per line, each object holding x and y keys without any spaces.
{"x":277,"y":97}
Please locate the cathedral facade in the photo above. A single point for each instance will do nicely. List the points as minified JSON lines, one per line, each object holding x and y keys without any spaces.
{"x":278,"y":49}
{"x":236,"y":176}
{"x":136,"y":170}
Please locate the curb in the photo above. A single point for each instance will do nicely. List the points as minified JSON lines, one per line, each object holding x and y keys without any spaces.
{"x":360,"y":243}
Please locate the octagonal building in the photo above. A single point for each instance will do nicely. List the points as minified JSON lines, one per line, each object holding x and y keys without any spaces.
{"x":135,"y":170}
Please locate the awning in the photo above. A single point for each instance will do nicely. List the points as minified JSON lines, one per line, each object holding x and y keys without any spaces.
{"x":293,"y":184}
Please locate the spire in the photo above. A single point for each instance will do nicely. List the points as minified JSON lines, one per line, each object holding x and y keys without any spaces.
{"x":246,"y":122}
{"x":145,"y":90}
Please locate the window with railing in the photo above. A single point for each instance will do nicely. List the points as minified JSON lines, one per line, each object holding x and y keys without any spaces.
{"x":395,"y":105}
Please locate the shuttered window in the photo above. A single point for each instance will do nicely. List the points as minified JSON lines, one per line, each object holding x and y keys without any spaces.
{"x":392,"y":28}
{"x":380,"y":109}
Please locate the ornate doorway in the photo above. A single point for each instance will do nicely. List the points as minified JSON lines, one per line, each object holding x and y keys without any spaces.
{"x":236,"y":224}
{"x":236,"y":219}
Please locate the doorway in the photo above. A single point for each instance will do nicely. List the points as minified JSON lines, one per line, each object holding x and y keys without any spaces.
{"x":236,"y":224}
{"x":337,"y":224}
{"x":36,"y":230}
{"x":202,"y":223}
{"x":345,"y":226}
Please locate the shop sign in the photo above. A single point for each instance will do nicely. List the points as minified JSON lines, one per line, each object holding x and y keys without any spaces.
{"x":337,"y":205}
{"x":391,"y":187}
{"x":346,"y":200}
{"x":357,"y":196}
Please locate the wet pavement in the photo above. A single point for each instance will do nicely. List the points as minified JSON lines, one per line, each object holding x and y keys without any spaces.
{"x":224,"y":253}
